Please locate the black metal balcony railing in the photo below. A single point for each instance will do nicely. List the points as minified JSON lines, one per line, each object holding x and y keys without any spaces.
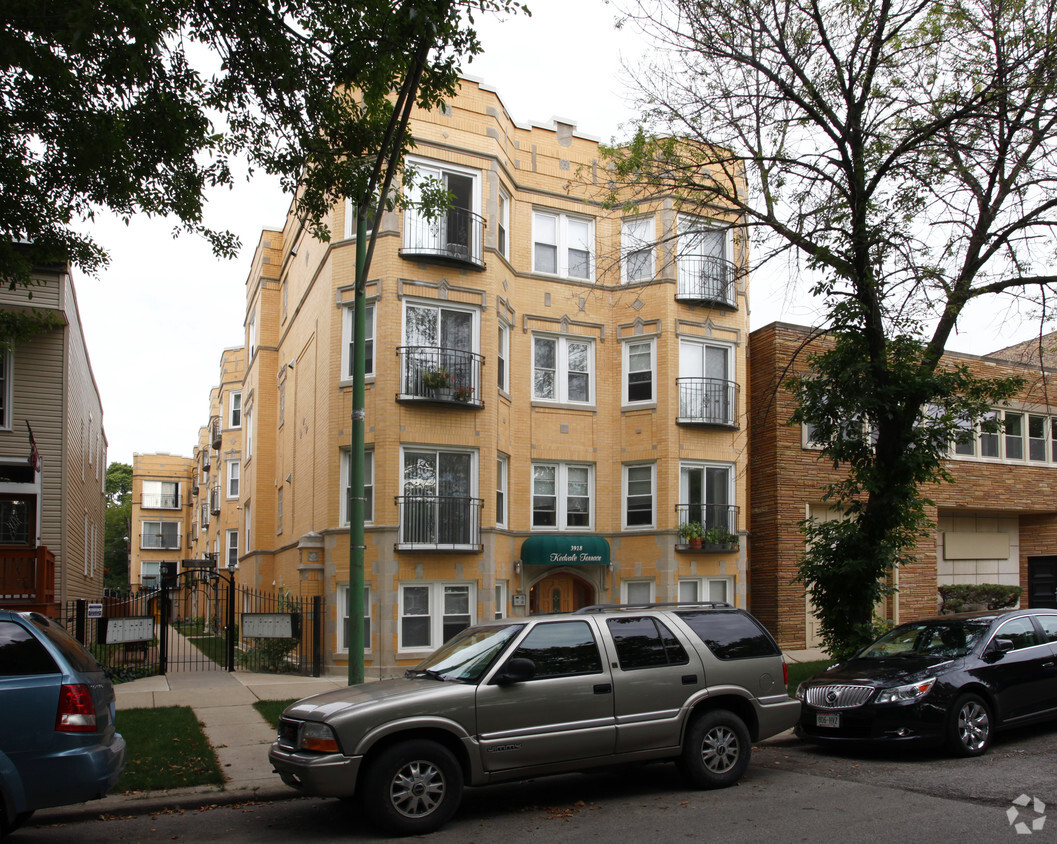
{"x":214,"y":501}
{"x":707,"y":401}
{"x":160,"y":501}
{"x":205,"y":463}
{"x":154,"y":541}
{"x":429,"y":373}
{"x":440,"y":523}
{"x":455,"y":237}
{"x":718,"y":525}
{"x":707,"y":279}
{"x":215,"y":432}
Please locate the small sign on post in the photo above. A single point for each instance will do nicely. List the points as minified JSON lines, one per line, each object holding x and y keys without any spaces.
{"x":95,"y":610}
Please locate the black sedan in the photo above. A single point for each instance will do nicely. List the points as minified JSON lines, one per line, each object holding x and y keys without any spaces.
{"x":952,"y":679}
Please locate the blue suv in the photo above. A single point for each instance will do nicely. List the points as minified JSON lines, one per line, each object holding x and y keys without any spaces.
{"x":58,"y":744}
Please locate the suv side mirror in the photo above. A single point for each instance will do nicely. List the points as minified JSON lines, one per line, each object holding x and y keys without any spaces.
{"x":517,"y":670}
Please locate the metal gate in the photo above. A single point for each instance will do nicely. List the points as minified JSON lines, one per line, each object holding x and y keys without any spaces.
{"x":201,"y":623}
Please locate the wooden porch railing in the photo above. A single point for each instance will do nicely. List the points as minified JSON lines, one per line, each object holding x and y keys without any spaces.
{"x":27,"y":580}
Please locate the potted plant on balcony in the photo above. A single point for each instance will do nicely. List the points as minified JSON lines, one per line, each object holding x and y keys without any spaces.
{"x":691,"y":534}
{"x":437,"y":381}
{"x":720,"y":539}
{"x":463,"y":393}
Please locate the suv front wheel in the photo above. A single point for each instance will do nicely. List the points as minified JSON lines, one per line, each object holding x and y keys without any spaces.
{"x":717,"y":750}
{"x":412,"y":787}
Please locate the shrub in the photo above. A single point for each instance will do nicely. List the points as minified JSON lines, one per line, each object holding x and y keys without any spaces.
{"x":964,"y":597}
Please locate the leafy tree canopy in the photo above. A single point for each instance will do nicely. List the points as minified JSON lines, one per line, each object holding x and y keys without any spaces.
{"x":138,"y":106}
{"x":902,"y":154}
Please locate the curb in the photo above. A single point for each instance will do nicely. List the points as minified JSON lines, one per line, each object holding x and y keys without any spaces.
{"x":158,"y":802}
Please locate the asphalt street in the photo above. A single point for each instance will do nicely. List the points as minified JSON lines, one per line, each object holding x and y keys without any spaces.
{"x":792,"y":792}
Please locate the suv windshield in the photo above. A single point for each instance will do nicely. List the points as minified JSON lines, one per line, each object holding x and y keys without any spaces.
{"x":466,"y":657}
{"x":947,"y":639}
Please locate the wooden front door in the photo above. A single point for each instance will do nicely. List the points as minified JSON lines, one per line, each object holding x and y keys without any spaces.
{"x":562,"y":592}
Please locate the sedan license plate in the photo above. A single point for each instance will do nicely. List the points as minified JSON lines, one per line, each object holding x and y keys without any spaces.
{"x":827,"y":720}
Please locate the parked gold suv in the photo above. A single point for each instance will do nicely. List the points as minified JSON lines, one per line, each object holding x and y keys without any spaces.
{"x":524,"y":697}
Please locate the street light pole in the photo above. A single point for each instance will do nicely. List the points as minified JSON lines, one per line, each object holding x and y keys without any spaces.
{"x":356,"y":456}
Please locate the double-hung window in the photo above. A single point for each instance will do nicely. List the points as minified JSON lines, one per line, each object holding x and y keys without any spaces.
{"x":637,"y":238}
{"x":502,"y":358}
{"x":639,"y":371}
{"x":431,"y":613}
{"x":563,"y":369}
{"x":639,"y":496}
{"x":503,"y":214}
{"x":562,"y":496}
{"x":235,"y":409}
{"x":502,"y":471}
{"x":343,"y":617}
{"x":233,"y":478}
{"x":562,"y":245}
{"x":232,"y":548}
{"x":345,"y":505}
{"x":348,"y":326}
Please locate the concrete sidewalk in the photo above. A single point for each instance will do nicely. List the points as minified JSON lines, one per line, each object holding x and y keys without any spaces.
{"x":223,"y":702}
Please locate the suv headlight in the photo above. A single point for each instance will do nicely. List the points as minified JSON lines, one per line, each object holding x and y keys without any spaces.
{"x":909,"y":692}
{"x":319,"y":738}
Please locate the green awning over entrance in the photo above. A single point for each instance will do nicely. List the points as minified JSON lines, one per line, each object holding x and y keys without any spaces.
{"x":565,"y":551}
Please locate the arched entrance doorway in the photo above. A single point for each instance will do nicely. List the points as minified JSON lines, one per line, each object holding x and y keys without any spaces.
{"x":560,"y":592}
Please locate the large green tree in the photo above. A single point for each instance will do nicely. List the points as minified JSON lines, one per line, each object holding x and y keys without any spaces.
{"x":899,"y":155}
{"x":137,"y":106}
{"x":117,"y":532}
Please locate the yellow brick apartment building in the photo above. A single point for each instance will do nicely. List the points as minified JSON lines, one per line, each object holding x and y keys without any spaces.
{"x":553,"y":389}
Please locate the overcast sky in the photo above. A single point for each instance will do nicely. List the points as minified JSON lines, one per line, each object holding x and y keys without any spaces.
{"x":157,"y":320}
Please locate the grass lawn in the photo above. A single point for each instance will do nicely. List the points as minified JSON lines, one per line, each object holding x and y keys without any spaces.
{"x":272,"y":709}
{"x":800,"y":671}
{"x":214,"y":647}
{"x":165,"y":748}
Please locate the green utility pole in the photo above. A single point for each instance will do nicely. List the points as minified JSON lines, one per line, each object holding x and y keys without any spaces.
{"x":356,"y":537}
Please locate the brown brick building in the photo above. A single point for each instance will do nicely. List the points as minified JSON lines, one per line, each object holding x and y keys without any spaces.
{"x":997,"y":523}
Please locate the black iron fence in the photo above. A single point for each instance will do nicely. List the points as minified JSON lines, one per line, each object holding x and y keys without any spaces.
{"x":203,"y":623}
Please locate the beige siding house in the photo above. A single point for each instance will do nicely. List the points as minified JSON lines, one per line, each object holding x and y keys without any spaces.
{"x":52,"y":507}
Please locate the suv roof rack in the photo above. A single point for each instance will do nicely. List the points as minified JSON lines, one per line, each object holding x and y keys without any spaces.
{"x":712,"y":605}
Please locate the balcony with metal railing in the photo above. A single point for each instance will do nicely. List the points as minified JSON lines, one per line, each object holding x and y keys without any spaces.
{"x":454,"y":238}
{"x":215,"y":437}
{"x":708,"y":401}
{"x":707,"y":527}
{"x":707,"y":280}
{"x":439,"y":375}
{"x":439,"y":523}
{"x":160,"y":501}
{"x":214,"y":500}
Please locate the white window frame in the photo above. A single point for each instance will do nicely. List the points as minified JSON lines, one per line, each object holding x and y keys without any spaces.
{"x":624,"y":493}
{"x":230,"y":546}
{"x":500,"y":599}
{"x":436,"y":602}
{"x":503,"y":223}
{"x":279,"y":497}
{"x":248,"y":416}
{"x":157,"y":488}
{"x":703,"y":587}
{"x":159,"y":531}
{"x":626,"y":370}
{"x":502,"y":490}
{"x":350,"y":221}
{"x":561,"y":368}
{"x":647,"y":581}
{"x":348,"y":324}
{"x":444,"y":305}
{"x":345,"y":482}
{"x":251,"y":334}
{"x":233,"y":397}
{"x":633,"y":243}
{"x":343,"y":616}
{"x":503,"y":356}
{"x":691,"y":227}
{"x":7,"y":389}
{"x":425,"y":169}
{"x":234,"y":472}
{"x":704,"y":466}
{"x":561,"y":484}
{"x":562,"y":243}
{"x":247,"y":513}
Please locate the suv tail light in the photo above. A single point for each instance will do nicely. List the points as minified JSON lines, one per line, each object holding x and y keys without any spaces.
{"x":76,"y":711}
{"x":785,"y":671}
